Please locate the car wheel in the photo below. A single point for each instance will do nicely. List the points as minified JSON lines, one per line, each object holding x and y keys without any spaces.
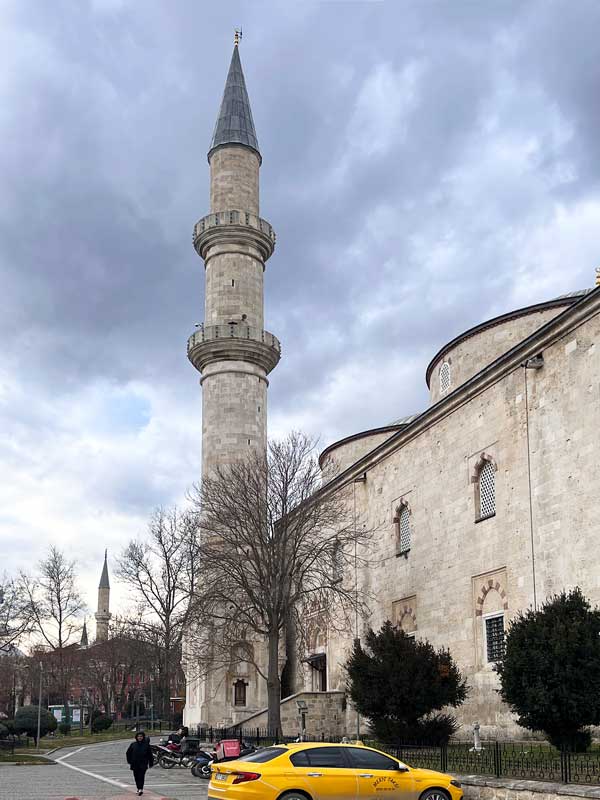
{"x":294,"y":796}
{"x":435,"y":794}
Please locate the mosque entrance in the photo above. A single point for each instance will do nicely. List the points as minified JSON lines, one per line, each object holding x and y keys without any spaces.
{"x":318,"y":664}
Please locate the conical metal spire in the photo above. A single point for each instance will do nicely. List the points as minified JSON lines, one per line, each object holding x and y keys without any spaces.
{"x":104,"y":584}
{"x":234,"y":123}
{"x":84,"y":635}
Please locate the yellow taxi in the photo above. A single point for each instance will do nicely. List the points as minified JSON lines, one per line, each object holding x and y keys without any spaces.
{"x":320,"y":771}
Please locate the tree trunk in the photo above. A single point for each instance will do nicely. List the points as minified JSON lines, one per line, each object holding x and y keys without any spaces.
{"x":274,"y":685}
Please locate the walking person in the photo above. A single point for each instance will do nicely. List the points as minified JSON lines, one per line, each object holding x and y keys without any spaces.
{"x":139,"y":757}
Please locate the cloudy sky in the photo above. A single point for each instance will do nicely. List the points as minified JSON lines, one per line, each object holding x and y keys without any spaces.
{"x":427,"y":165}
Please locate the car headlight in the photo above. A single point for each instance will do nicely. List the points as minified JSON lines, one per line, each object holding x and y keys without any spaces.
{"x":456,"y":783}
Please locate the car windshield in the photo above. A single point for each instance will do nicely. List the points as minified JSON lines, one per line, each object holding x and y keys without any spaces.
{"x":261,"y":756}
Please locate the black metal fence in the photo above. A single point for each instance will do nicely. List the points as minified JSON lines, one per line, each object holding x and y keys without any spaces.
{"x":500,"y":759}
{"x":7,"y":745}
{"x":519,"y":760}
{"x":260,"y":737}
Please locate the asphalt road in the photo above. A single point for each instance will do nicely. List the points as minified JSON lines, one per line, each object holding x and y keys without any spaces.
{"x":96,"y":772}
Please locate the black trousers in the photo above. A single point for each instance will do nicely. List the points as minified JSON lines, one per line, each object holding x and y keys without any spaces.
{"x":139,"y":773}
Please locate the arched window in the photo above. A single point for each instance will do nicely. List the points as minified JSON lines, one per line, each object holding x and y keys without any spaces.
{"x":402,"y":524}
{"x":486,"y":490}
{"x":444,"y":377}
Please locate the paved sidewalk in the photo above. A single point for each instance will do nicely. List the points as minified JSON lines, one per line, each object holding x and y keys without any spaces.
{"x":96,"y":772}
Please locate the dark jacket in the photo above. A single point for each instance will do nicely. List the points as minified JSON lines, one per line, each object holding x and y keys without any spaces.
{"x":139,"y":755}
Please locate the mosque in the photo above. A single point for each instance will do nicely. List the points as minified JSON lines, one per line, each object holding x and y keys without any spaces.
{"x":485,"y":502}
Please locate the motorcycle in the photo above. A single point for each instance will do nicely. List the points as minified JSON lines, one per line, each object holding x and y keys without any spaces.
{"x":171,"y":742}
{"x":201,"y":765}
{"x":204,"y":761}
{"x":180,"y":755}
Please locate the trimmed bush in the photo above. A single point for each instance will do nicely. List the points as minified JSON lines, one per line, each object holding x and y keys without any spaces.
{"x":64,"y":728}
{"x":26,"y":720}
{"x":100,"y":723}
{"x":550,"y":673}
{"x":401,"y":684}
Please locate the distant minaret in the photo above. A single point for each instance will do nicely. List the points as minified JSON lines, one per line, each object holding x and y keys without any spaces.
{"x":103,"y":614}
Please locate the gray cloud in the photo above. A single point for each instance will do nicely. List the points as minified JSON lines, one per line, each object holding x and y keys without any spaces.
{"x":426,"y":165}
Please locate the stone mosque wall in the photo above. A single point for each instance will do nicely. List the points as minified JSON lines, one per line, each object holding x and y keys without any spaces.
{"x":461,"y":570}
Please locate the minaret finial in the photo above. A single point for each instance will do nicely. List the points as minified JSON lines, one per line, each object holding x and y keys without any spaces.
{"x":237,"y":37}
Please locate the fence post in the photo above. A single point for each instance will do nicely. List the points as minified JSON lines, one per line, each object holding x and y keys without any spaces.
{"x":565,"y":765}
{"x":497,"y":759}
{"x":444,"y":757}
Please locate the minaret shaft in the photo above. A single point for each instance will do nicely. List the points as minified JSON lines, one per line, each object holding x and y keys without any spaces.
{"x":232,"y":350}
{"x":234,"y":179}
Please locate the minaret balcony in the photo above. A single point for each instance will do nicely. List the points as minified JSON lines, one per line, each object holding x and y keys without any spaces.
{"x":233,"y":342}
{"x":231,"y":227}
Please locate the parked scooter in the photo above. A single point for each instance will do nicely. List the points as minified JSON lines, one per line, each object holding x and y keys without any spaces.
{"x":202,"y":764}
{"x":202,"y":767}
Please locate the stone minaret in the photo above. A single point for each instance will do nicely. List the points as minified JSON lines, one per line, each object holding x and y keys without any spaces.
{"x":231,"y":349}
{"x":103,"y":614}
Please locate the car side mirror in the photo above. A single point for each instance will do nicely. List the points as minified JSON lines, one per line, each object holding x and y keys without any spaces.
{"x":402,"y":768}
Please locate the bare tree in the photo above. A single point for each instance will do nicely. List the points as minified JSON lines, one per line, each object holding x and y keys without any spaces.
{"x":54,"y":606}
{"x":15,"y":620}
{"x":108,"y":666}
{"x":161,"y":571}
{"x":274,"y":542}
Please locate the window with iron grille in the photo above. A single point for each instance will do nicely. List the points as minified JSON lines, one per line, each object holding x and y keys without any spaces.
{"x":494,"y":637}
{"x":338,"y":562}
{"x":403,"y":530}
{"x":444,"y":377}
{"x":487,"y":490}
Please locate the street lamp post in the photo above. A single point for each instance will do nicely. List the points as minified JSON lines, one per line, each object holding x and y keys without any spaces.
{"x":152,"y":700}
{"x":39,"y":708}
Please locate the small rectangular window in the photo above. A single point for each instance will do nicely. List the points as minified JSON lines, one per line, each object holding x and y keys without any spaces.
{"x":239,"y":693}
{"x":494,"y":638}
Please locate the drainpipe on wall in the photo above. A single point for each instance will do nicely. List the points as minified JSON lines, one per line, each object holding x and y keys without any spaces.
{"x":537,"y":362}
{"x":361,"y":479}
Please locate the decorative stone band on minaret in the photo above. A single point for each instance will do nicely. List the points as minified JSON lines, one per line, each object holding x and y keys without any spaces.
{"x":231,"y":349}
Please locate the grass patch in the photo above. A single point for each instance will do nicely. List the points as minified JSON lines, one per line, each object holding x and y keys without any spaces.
{"x":24,"y":759}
